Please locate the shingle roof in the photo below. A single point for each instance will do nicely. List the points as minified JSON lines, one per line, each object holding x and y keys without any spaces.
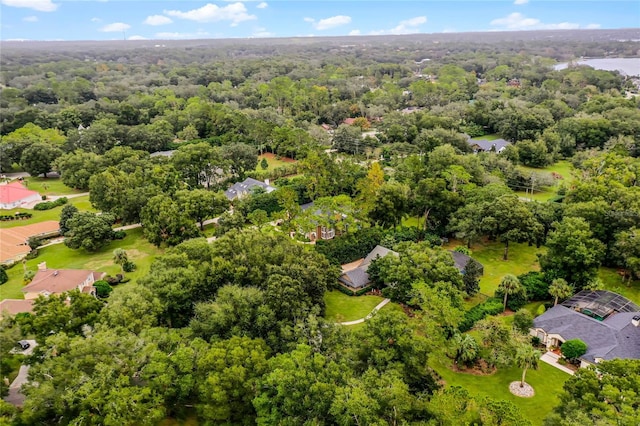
{"x":615,"y":337}
{"x":239,"y":189}
{"x":15,"y":306}
{"x":461,"y":260}
{"x":486,"y":145}
{"x":58,"y":280}
{"x":358,"y":277}
{"x":13,"y":241}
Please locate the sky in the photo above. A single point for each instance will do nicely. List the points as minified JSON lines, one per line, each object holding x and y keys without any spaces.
{"x":186,"y":19}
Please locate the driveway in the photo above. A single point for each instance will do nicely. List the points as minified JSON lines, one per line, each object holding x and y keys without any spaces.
{"x":15,"y":396}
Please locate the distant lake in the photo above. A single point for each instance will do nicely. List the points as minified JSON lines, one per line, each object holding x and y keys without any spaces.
{"x":627,"y":66}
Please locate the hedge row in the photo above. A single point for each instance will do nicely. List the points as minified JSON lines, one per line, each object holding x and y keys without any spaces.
{"x":17,"y":216}
{"x":491,"y":306}
{"x":48,"y":205}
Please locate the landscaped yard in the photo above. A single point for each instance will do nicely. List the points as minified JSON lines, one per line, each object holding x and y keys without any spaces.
{"x":49,"y":186}
{"x":522,"y":259}
{"x":563,"y":168}
{"x":273,"y":161}
{"x":490,"y":137}
{"x":82,"y":203}
{"x":547,"y":382}
{"x":341,"y":308}
{"x":140,"y":251}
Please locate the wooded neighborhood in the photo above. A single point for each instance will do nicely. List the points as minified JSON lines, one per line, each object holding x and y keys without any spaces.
{"x":321,"y":232}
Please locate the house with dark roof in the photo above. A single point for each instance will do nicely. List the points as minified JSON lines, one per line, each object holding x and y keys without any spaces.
{"x":461,"y":260}
{"x":608,"y":323}
{"x":484,"y":145}
{"x":244,"y":188}
{"x":356,"y":277}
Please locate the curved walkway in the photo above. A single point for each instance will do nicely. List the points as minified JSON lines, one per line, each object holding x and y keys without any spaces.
{"x":372,"y":313}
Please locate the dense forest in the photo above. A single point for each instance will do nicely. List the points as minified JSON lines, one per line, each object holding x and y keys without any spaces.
{"x":377,"y":130}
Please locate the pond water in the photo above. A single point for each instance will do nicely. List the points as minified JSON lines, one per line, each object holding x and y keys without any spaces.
{"x":627,"y":66}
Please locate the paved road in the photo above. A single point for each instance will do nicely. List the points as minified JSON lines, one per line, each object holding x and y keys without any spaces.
{"x":372,"y":313}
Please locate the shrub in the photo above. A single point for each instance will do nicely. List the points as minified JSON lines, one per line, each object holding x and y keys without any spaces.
{"x":102,"y":288}
{"x":535,"y":341}
{"x":514,"y":301}
{"x":17,"y":216}
{"x":129,"y":266}
{"x":3,"y":275}
{"x":118,"y":235}
{"x":48,"y":205}
{"x":34,"y":242}
{"x":112,"y":280}
{"x":28,"y":276}
{"x":541,"y":310}
{"x":463,"y":250}
{"x":573,"y":349}
{"x":490,"y":306}
{"x":32,"y":254}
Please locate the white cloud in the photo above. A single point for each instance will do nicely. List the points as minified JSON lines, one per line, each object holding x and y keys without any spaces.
{"x":262,"y":5}
{"x":137,"y":37}
{"x":176,"y":35}
{"x":517,"y":21}
{"x":328,"y":23}
{"x":115,"y":27}
{"x":408,"y":26}
{"x":262,"y":33}
{"x":354,"y":32}
{"x":157,"y":20}
{"x":235,"y":12}
{"x":593,"y":26}
{"x":39,"y":5}
{"x":30,"y":19}
{"x":96,"y":20}
{"x":521,"y":2}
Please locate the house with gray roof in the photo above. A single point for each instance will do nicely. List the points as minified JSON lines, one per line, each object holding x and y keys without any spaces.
{"x":461,"y":260}
{"x":358,"y":278}
{"x":244,"y":188}
{"x":484,"y":145}
{"x":608,"y":323}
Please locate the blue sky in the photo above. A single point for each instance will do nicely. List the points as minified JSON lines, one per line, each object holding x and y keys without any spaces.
{"x":170,"y":19}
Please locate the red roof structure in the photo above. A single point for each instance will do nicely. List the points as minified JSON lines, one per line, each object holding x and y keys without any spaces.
{"x":15,"y":193}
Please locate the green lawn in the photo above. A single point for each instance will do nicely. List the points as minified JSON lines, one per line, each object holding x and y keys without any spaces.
{"x":49,"y":186}
{"x":522,"y":259}
{"x":60,"y":256}
{"x":272,"y":161}
{"x":341,"y":308}
{"x":547,"y":382}
{"x":490,"y":137}
{"x":82,"y":203}
{"x":563,"y":168}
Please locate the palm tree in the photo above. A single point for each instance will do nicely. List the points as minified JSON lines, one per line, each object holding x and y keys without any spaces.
{"x":560,"y":289}
{"x":526,"y":357}
{"x":509,"y":285}
{"x":466,"y":348}
{"x":120,"y":257}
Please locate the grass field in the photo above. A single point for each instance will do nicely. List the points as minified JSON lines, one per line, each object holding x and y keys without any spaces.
{"x":341,"y":308}
{"x":563,"y":168}
{"x":49,"y":186}
{"x":273,"y":161}
{"x":60,"y":256}
{"x":547,"y":382}
{"x":522,"y":259}
{"x":82,"y":203}
{"x":490,"y":137}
